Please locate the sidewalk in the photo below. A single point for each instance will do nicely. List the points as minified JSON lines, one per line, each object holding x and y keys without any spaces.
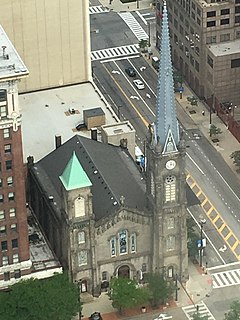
{"x":118,"y":6}
{"x":197,"y":288}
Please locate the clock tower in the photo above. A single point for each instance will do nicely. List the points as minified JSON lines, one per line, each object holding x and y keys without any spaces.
{"x":166,"y":181}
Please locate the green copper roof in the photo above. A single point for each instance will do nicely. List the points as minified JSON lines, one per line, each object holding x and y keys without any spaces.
{"x":73,"y":176}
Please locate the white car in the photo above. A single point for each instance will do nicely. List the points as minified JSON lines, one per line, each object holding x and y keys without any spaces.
{"x":163,"y":316}
{"x":139,"y":84}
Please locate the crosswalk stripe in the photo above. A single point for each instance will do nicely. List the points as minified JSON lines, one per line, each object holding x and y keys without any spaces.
{"x":226,"y":278}
{"x":97,"y":9}
{"x":134,"y":26}
{"x":202,"y":310}
{"x":115,"y":52}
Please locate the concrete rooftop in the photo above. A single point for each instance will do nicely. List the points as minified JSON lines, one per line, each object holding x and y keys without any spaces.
{"x":225,"y":48}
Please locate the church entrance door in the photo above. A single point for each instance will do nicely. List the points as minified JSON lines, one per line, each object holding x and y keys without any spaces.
{"x":124,"y":272}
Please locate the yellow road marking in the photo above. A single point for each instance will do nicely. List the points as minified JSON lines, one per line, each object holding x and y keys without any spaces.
{"x":204,"y":201}
{"x":210,"y":210}
{"x":216,"y":219}
{"x":199,"y":193}
{"x":193,"y":185}
{"x":235,"y":245}
{"x":228,"y":236}
{"x":222,"y":227}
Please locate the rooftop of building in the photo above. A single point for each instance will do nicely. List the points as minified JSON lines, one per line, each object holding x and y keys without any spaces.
{"x":11,"y":65}
{"x":118,"y":128}
{"x":225,"y":48}
{"x":49,"y":113}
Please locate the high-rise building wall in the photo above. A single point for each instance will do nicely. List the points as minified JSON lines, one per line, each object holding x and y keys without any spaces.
{"x":53,"y":39}
{"x":14,"y":246}
{"x":196,"y":28}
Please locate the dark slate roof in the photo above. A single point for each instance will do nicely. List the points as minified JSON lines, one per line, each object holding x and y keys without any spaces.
{"x":111,"y":170}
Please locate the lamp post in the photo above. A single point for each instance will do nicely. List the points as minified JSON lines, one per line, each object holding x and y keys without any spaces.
{"x":202,"y":222}
{"x":137,"y":4}
{"x":176,"y":284}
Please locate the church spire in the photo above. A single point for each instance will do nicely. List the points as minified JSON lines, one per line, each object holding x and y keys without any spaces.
{"x":167,"y":129}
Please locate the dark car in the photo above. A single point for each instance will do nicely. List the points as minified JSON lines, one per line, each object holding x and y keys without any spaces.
{"x":130,"y":71}
{"x":96,"y":316}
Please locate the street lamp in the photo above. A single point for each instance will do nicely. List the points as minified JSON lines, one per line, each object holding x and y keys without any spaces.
{"x":176,"y":284}
{"x":202,"y":222}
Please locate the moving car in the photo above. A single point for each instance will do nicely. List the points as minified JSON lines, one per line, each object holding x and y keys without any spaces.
{"x":95,"y":316}
{"x":139,"y":84}
{"x":163,"y":316}
{"x":130,"y":71}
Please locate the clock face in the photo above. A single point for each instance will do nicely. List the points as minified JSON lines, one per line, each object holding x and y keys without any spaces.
{"x":170,"y":164}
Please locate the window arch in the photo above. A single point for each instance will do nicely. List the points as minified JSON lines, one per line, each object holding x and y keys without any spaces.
{"x":170,"y":188}
{"x":113,"y":246}
{"x":81,"y":237}
{"x":133,"y":242}
{"x":79,"y":205}
{"x":123,"y":241}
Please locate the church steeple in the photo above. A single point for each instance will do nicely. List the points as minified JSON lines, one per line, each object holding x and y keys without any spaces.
{"x":166,"y":127}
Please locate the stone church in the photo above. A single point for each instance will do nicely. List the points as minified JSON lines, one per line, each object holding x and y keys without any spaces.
{"x":103,"y":217}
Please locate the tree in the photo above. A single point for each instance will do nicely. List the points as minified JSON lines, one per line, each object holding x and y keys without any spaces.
{"x":197,"y":316}
{"x":53,"y":298}
{"x":125,"y":294}
{"x":143,"y":44}
{"x":214,"y":130}
{"x":236,"y":158}
{"x":160,"y":289}
{"x":234,"y":312}
{"x":193,"y":237}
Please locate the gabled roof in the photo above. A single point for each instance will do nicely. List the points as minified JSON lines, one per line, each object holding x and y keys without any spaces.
{"x":166,"y":105}
{"x":73,"y":176}
{"x":111,"y":170}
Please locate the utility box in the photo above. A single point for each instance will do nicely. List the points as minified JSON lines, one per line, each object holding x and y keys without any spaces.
{"x":94,"y":118}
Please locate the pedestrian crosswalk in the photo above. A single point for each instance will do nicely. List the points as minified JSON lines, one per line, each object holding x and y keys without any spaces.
{"x":97,"y":9}
{"x":135,"y":27}
{"x":113,"y":53}
{"x":226,"y":278}
{"x":199,"y":308}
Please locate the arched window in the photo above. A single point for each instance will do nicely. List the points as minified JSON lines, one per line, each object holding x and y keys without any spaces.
{"x":79,"y":205}
{"x":133,"y":242}
{"x":81,"y":237}
{"x":170,"y":188}
{"x":113,"y":246}
{"x":104,"y":276}
{"x":82,"y":258}
{"x":123,"y":241}
{"x":170,"y":243}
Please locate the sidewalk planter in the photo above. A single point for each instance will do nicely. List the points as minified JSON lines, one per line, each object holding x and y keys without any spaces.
{"x":144,"y":309}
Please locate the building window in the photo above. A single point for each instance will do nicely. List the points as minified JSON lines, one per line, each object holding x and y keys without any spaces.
{"x":3,"y":111}
{"x":235,"y":63}
{"x":175,"y":24}
{"x":2,"y":214}
{"x":7,"y":148}
{"x":193,"y":15}
{"x":144,"y":267}
{"x":211,"y":14}
{"x":170,"y":188}
{"x":2,"y":230}
{"x":1,"y":198}
{"x":237,"y":34}
{"x":104,"y":276}
{"x":8,"y":164}
{"x":198,"y":11}
{"x":6,"y":276}
{"x":225,"y":11}
{"x":13,"y":227}
{"x":196,"y":65}
{"x":1,"y":183}
{"x":81,"y":237}
{"x":237,"y":9}
{"x":191,"y":60}
{"x":198,"y":21}
{"x":237,"y":19}
{"x":5,"y":261}
{"x":11,"y":196}
{"x":123,"y":242}
{"x":224,"y":21}
{"x":210,"y":61}
{"x":15,"y":258}
{"x":181,"y":17}
{"x":170,"y":243}
{"x":133,"y":242}
{"x":82,"y":258}
{"x":79,"y":205}
{"x":224,"y":37}
{"x":17,"y":274}
{"x":170,"y":223}
{"x":15,"y":243}
{"x":211,"y":24}
{"x":212,"y":39}
{"x":113,"y":246}
{"x":4,"y":245}
{"x":175,"y":38}
{"x":6,"y":133}
{"x":193,"y":6}
{"x":12,"y":212}
{"x":10,"y":181}
{"x":176,"y":11}
{"x":186,"y":24}
{"x":3,"y":95}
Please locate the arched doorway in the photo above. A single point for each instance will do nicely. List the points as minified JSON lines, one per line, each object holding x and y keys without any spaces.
{"x":124,"y":271}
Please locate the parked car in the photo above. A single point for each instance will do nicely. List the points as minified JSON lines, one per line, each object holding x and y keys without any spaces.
{"x":130,"y":71}
{"x":139,"y":84}
{"x":95,"y":316}
{"x":163,"y":316}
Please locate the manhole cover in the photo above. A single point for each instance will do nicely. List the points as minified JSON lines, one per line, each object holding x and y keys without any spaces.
{"x":192,"y":111}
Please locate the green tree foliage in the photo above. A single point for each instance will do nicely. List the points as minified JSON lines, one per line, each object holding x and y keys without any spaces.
{"x":143,"y":44}
{"x":214,"y":130}
{"x":236,"y":158}
{"x":53,"y":298}
{"x":160,"y":289}
{"x":125,"y":294}
{"x":193,"y":237}
{"x":234,"y":312}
